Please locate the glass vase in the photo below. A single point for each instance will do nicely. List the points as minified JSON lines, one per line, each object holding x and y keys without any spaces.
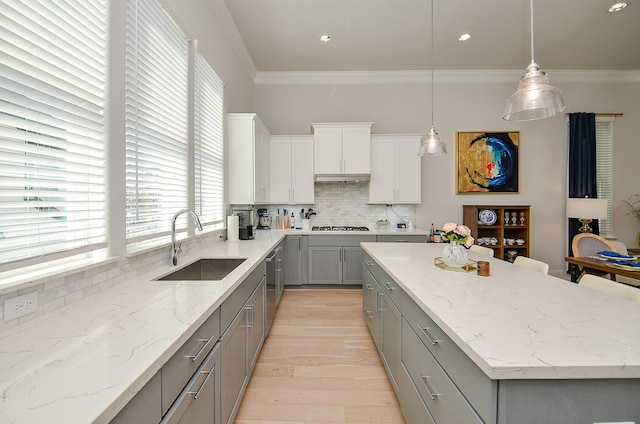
{"x":455,"y":254}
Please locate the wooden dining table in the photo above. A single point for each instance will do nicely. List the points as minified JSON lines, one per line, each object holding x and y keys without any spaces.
{"x":598,"y":266}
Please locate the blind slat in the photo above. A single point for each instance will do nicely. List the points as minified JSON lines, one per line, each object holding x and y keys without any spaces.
{"x":52,"y":128}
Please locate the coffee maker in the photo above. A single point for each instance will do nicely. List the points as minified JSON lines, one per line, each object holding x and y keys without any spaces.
{"x":245,"y":223}
{"x":264,"y":220}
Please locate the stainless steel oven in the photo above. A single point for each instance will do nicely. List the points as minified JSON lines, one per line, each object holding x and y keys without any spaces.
{"x":275,"y":283}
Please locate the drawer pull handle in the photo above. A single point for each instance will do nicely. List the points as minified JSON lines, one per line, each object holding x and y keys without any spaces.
{"x":369,"y":314}
{"x":368,"y":286}
{"x":432,"y":339}
{"x":389,"y":286}
{"x":369,"y":263}
{"x":431,"y":393}
{"x":202,"y":350}
{"x":197,"y":392}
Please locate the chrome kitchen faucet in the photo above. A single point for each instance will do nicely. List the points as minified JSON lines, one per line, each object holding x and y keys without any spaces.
{"x":176,"y":249}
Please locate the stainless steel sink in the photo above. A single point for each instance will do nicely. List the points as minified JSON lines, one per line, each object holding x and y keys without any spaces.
{"x":204,"y":269}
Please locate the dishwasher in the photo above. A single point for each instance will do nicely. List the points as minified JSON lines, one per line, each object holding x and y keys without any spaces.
{"x":275,"y":284}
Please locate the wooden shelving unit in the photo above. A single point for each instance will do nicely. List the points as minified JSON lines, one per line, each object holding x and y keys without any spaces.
{"x":501,"y":229}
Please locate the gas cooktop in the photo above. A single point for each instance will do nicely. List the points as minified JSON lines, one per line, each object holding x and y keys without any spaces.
{"x":339,"y":228}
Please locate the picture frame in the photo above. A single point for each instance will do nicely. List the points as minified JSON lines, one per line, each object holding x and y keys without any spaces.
{"x":487,"y":162}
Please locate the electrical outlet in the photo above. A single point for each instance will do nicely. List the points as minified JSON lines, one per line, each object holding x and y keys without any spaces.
{"x":20,"y":305}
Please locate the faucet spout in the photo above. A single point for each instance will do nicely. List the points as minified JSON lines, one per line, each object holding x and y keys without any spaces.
{"x":175,"y":250}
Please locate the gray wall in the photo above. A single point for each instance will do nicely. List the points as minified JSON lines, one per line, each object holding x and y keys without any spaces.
{"x":477,"y":106}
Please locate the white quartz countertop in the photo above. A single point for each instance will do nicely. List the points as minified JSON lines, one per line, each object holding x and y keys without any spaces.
{"x":517,"y":323}
{"x":84,"y":362}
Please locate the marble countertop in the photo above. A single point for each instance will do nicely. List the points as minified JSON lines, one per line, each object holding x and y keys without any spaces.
{"x":518,"y":323}
{"x":84,"y":362}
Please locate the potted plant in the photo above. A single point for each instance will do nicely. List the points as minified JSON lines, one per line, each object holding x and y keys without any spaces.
{"x":632,"y":204}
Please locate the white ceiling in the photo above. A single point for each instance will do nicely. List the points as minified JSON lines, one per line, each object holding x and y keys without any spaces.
{"x":395,"y":35}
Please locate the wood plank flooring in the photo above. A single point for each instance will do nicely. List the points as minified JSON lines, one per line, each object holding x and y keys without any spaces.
{"x":319,"y":365}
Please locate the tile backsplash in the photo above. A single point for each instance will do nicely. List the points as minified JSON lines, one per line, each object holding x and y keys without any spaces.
{"x":346,"y":204}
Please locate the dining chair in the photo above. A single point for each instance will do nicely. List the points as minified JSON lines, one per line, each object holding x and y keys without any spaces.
{"x":532,"y":264}
{"x":610,"y":287}
{"x":588,"y":244}
{"x":621,"y":248}
{"x":482,"y":250}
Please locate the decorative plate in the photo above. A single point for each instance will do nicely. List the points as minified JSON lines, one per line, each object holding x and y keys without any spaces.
{"x":487,"y":216}
{"x":616,"y":256}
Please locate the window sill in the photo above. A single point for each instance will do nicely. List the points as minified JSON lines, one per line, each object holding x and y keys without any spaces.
{"x":25,"y":277}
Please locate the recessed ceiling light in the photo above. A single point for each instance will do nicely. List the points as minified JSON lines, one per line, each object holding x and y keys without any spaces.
{"x":464,"y":37}
{"x":617,"y":7}
{"x":325,"y":38}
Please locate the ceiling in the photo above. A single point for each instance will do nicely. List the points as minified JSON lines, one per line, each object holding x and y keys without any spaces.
{"x":395,"y":35}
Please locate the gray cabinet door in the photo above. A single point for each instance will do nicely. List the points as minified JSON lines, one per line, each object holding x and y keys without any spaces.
{"x":391,"y":323}
{"x":199,"y":402}
{"x":293,"y":275}
{"x":145,"y":406}
{"x":371,"y":305}
{"x":352,"y":265}
{"x":256,"y":323}
{"x":233,"y":357}
{"x":325,"y":265}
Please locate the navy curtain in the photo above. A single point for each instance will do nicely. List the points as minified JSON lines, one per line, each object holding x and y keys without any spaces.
{"x":582,"y":164}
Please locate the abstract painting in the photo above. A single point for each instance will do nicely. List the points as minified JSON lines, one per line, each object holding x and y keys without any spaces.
{"x":487,"y":162}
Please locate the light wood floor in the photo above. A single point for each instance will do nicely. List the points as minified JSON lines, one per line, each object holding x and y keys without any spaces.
{"x":319,"y":365}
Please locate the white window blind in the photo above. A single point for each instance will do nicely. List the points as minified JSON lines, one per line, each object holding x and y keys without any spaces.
{"x":52,"y":128}
{"x":156,"y":119}
{"x":604,"y":167}
{"x":208,"y":134}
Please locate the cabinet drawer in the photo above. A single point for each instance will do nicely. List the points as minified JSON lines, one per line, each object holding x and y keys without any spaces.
{"x":445,"y":403}
{"x":235,"y":302}
{"x":402,"y":238}
{"x":388,"y":286}
{"x":179,"y":369}
{"x":333,"y":240}
{"x":479,"y":389}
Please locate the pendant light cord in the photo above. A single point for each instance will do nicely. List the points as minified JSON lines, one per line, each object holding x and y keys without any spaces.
{"x":433,"y":61}
{"x":531,"y":15}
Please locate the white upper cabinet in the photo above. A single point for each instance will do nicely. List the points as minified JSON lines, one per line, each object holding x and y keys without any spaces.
{"x":396,"y":169}
{"x":248,"y":159}
{"x":291,"y":163}
{"x":342,"y":148}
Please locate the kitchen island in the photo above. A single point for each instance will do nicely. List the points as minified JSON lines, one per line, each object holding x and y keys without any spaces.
{"x":533,"y":348}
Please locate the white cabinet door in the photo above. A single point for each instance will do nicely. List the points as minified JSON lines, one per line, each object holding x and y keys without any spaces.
{"x":356,"y":150}
{"x":280,"y":178}
{"x":408,"y":170}
{"x":327,"y":153}
{"x":248,"y":148}
{"x":343,"y":148}
{"x":383,"y":170}
{"x":396,"y":169}
{"x":291,"y":163}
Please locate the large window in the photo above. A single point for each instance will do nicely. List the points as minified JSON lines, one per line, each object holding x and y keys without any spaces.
{"x":208,"y":134}
{"x":604,"y":168}
{"x":157,"y":120}
{"x":52,"y":128}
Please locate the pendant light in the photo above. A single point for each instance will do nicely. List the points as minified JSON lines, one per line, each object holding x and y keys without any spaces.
{"x":431,"y":144}
{"x":535,"y":97}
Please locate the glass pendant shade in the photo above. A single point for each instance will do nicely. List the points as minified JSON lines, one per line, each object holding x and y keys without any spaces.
{"x":535,"y":97}
{"x":431,"y":144}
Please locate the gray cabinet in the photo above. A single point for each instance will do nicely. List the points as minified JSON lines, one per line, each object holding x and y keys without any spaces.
{"x":242,"y":339}
{"x":336,"y":259}
{"x":199,"y":402}
{"x":295,"y":257}
{"x":401,"y":238}
{"x":383,"y":316}
{"x":145,"y":406}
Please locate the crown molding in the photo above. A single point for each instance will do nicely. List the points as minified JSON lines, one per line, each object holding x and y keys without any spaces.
{"x":439,"y":77}
{"x":229,"y":27}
